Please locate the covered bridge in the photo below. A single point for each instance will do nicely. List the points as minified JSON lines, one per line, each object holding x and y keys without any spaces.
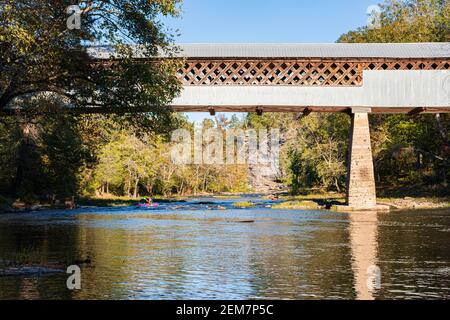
{"x":357,"y":79}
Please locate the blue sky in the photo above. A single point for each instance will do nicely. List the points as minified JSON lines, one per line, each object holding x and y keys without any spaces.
{"x":267,"y":21}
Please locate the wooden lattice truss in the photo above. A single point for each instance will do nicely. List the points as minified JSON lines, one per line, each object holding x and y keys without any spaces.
{"x":303,"y":72}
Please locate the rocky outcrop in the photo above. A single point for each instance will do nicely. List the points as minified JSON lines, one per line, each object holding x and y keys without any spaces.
{"x":264,"y":178}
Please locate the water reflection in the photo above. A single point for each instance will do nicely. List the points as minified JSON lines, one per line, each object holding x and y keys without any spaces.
{"x":363,"y":228}
{"x":209,"y":254}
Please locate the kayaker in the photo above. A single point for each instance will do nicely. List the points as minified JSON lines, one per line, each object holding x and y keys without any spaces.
{"x":149,"y":201}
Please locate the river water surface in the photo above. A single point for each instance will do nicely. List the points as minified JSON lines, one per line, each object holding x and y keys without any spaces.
{"x":214,"y":251}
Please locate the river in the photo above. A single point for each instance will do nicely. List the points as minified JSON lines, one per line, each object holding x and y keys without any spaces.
{"x":215,"y":251}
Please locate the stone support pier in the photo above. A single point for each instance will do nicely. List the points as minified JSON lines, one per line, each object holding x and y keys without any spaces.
{"x":361,"y":192}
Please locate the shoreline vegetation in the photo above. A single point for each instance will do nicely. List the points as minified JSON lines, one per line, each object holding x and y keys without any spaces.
{"x":281,"y":201}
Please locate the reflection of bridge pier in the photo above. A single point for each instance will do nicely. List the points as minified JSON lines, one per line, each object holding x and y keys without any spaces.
{"x":363,"y":231}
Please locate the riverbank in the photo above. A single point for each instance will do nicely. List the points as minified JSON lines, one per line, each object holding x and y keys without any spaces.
{"x":112,"y":201}
{"x":416,"y":203}
{"x":328,"y":200}
{"x":282,"y":201}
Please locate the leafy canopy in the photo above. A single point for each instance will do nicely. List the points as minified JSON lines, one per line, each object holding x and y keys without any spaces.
{"x":41,"y":58}
{"x":407,"y":21}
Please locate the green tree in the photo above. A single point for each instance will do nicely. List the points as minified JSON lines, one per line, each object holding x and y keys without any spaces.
{"x":45,"y":68}
{"x":409,"y":150}
{"x":42,"y":156}
{"x":41,"y":58}
{"x":317,"y":149}
{"x":407,"y":21}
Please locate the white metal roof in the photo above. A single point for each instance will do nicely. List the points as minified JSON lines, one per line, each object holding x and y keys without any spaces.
{"x":297,"y":50}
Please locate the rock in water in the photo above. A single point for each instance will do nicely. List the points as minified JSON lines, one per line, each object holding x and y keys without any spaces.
{"x":28,"y":271}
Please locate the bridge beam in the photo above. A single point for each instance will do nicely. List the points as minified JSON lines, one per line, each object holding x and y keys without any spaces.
{"x":416,"y":111}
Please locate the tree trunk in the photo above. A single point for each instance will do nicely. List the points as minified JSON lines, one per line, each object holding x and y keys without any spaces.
{"x":128,"y":186}
{"x":181,"y":187}
{"x":336,"y":183}
{"x":26,"y":158}
{"x":136,"y":187}
{"x":442,"y":129}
